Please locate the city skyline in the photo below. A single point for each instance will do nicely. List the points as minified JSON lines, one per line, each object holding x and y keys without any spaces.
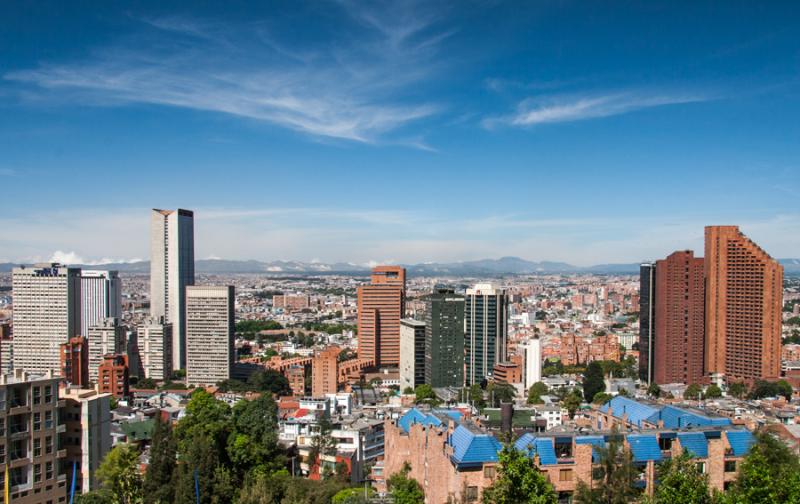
{"x":292,"y":120}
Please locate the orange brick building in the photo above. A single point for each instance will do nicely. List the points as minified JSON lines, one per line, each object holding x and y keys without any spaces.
{"x":112,"y":375}
{"x":381,"y":305}
{"x":679,"y":319}
{"x":744,"y":296}
{"x":325,"y":371}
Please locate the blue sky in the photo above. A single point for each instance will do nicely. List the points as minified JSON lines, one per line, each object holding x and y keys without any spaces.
{"x":411,"y":132}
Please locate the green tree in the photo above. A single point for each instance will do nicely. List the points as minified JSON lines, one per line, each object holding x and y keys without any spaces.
{"x":119,"y":475}
{"x":353,"y":496}
{"x":476,"y":396}
{"x":252,"y":444}
{"x":405,"y":490}
{"x":500,"y":393}
{"x":425,"y":394}
{"x":322,"y":443}
{"x":157,"y":480}
{"x":593,"y":381}
{"x":518,"y":481}
{"x":572,"y":402}
{"x":713,"y":392}
{"x":654,"y":390}
{"x":681,"y":482}
{"x":206,"y":419}
{"x":769,"y":473}
{"x":601,"y":398}
{"x":617,"y":476}
{"x":693,"y":391}
{"x":536,"y":392}
{"x":737,"y":389}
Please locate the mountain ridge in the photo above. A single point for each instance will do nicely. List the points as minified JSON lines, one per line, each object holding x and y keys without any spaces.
{"x":508,"y":265}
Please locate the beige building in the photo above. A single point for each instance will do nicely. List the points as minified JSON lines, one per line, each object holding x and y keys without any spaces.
{"x":47,"y":312}
{"x":171,"y":271}
{"x":29,"y":450}
{"x":154,"y":339}
{"x":209,"y":334}
{"x":107,"y":337}
{"x":87,"y":416}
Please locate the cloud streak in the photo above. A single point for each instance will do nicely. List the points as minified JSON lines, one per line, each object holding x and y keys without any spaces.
{"x":535,"y":111}
{"x":347,"y":89}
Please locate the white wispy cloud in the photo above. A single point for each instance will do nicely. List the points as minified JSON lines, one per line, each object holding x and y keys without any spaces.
{"x":533,"y":111}
{"x":347,"y":89}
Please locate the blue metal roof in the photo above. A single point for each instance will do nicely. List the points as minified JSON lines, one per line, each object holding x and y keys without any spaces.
{"x":740,"y":441}
{"x":695,"y":442}
{"x":644,"y":447}
{"x":470,"y":449}
{"x":676,"y":418}
{"x":414,"y":416}
{"x":636,"y":411}
{"x":595,"y":441}
{"x":541,"y":446}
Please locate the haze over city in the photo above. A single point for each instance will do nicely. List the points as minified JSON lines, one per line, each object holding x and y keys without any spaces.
{"x":413,"y":132}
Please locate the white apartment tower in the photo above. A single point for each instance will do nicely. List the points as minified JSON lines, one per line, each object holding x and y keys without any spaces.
{"x":101,"y":298}
{"x":47,"y":312}
{"x":171,"y":271}
{"x":105,"y":337}
{"x":532,"y":360}
{"x":154,"y":338}
{"x":209,"y":334}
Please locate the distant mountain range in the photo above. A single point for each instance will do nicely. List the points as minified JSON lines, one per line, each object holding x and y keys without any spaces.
{"x":483,"y":267}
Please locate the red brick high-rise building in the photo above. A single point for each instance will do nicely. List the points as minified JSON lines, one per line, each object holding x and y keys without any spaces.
{"x":381,"y":305}
{"x":679,"y":334}
{"x":744,"y":296}
{"x":75,"y":361}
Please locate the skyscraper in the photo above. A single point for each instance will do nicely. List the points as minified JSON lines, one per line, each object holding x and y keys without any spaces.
{"x":210,"y":352}
{"x":679,"y":328}
{"x":171,"y":271}
{"x":444,"y":339}
{"x":47,"y":313}
{"x":647,"y":286}
{"x":381,"y":305}
{"x":412,"y":353}
{"x":101,"y":298}
{"x":105,"y":337}
{"x":744,"y":296}
{"x":154,"y":338}
{"x":486,"y":330}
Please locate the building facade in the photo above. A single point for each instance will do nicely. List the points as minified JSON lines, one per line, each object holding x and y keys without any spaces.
{"x":679,"y":336}
{"x":106,"y":337}
{"x":75,"y":361}
{"x":325,"y":371}
{"x":531,"y":362}
{"x":171,"y":271}
{"x":210,"y":319}
{"x":114,"y":375}
{"x":444,"y":339}
{"x":47,"y":313}
{"x":154,"y":339}
{"x":744,"y":298}
{"x":412,"y":353}
{"x":647,"y":285}
{"x":486,"y":331}
{"x":87,"y":416}
{"x":29,"y":444}
{"x":381,"y":305}
{"x":101,"y":298}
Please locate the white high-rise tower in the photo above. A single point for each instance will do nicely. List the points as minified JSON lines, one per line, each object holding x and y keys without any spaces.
{"x":101,"y":298}
{"x":171,"y":270}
